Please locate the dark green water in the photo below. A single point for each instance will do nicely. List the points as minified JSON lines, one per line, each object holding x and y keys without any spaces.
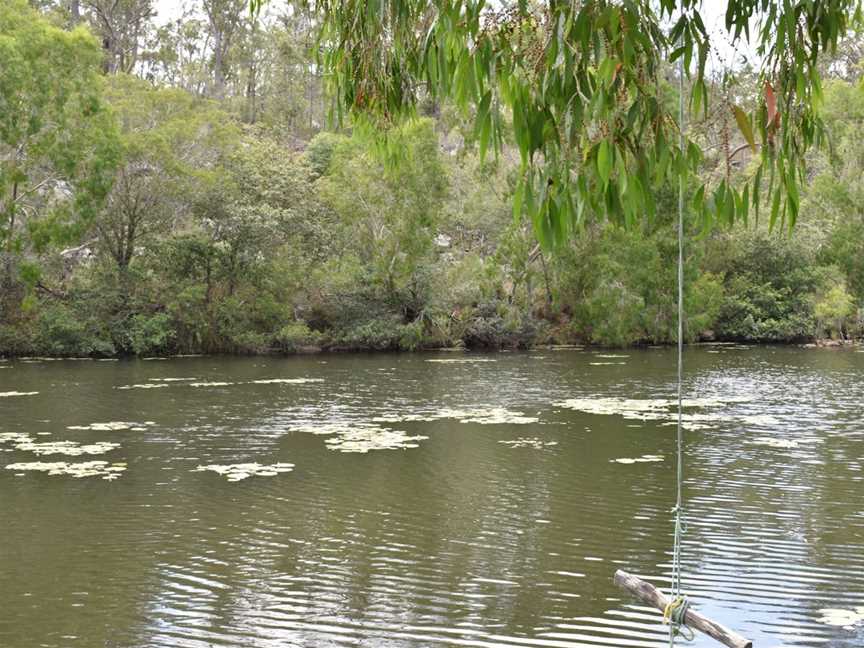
{"x":461,"y":541}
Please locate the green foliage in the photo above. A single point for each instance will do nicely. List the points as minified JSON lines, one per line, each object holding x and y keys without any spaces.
{"x":62,"y":331}
{"x":58,"y":146}
{"x":703,"y":303}
{"x":492,"y":326}
{"x":230,"y":226}
{"x":388,"y":214}
{"x":845,"y":248}
{"x":296,"y":336}
{"x":583,"y":87}
{"x":172,"y":143}
{"x":379,"y":334}
{"x":320,"y":151}
{"x":150,"y":334}
{"x":620,"y":287}
{"x":769,"y":285}
{"x":835,"y":310}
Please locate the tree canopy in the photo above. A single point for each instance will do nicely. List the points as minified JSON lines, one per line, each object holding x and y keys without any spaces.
{"x":58,"y":147}
{"x":179,"y":191}
{"x":586,"y":87}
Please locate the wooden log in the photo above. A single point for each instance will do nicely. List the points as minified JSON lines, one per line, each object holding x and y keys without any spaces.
{"x":649,"y":594}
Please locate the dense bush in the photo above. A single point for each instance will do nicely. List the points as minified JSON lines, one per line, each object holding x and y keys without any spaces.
{"x":770,"y":282}
{"x":64,"y":331}
{"x":268,"y":250}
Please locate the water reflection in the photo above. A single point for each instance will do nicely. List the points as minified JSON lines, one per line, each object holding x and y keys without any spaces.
{"x":493,"y":531}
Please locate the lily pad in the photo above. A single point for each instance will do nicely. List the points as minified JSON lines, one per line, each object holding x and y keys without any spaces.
{"x":664,"y":410}
{"x":528,"y":442}
{"x":480,"y":415}
{"x":103,"y":469}
{"x":241,"y":471}
{"x":360,"y":437}
{"x":68,"y":448}
{"x":111,"y":426}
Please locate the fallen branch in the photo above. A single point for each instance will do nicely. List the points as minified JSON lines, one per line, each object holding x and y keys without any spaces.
{"x":650,"y":595}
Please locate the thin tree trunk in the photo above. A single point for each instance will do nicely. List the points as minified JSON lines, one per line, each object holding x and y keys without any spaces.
{"x":218,"y":62}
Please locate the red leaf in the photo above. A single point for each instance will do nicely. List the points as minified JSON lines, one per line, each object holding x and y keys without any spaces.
{"x":771,"y":102}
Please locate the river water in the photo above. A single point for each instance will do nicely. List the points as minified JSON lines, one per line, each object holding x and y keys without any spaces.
{"x":512,"y":487}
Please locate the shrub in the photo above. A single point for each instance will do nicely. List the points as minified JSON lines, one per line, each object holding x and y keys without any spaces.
{"x":835,"y":310}
{"x":64,"y":332}
{"x":379,"y":334}
{"x":495,"y":326}
{"x":769,"y":287}
{"x":16,"y":338}
{"x":150,"y":334}
{"x":295,"y":335}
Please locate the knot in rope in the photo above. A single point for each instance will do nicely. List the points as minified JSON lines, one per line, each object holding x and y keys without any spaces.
{"x":675,"y":610}
{"x":674,"y":614}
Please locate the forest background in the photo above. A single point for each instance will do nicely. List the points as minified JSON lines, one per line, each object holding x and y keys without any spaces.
{"x":176,"y":187}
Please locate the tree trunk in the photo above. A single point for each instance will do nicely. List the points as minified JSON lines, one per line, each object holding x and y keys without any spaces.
{"x":218,"y":66}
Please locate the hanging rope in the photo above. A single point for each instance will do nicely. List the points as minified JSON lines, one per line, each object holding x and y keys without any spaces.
{"x":677,"y":608}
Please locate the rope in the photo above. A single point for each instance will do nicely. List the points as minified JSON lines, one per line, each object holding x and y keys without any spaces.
{"x":677,"y":608}
{"x":675,"y":613}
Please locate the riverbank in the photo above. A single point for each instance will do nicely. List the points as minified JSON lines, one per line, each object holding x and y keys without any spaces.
{"x":333,"y":350}
{"x":512,"y":487}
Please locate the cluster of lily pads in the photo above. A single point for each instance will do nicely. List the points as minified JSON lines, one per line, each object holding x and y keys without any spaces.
{"x":375,"y":434}
{"x":241,"y":471}
{"x":109,"y":471}
{"x":528,"y":442}
{"x":67,"y":448}
{"x":480,"y":415}
{"x":157,"y":383}
{"x":664,"y":410}
{"x":26,"y":443}
{"x":113,"y":426}
{"x":364,"y":436}
{"x":105,"y":470}
{"x":360,"y":437}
